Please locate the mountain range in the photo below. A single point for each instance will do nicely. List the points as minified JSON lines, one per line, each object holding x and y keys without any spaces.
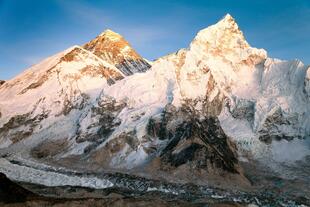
{"x":219,"y":112}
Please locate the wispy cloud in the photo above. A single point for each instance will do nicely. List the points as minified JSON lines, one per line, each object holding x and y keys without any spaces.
{"x":85,"y":13}
{"x":31,"y":60}
{"x":140,"y":35}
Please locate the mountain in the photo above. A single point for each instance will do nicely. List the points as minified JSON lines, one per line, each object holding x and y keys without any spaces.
{"x":113,"y":48}
{"x":2,"y":82}
{"x":207,"y":114}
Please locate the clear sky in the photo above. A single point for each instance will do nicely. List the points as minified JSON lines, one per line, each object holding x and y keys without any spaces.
{"x":31,"y":30}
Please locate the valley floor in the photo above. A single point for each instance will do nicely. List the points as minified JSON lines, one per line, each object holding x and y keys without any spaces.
{"x":129,"y":190}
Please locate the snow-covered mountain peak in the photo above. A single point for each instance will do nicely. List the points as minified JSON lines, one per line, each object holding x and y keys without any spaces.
{"x":113,"y":48}
{"x":225,"y":40}
{"x":226,"y":27}
{"x":229,"y":21}
{"x":228,"y":17}
{"x":113,"y":36}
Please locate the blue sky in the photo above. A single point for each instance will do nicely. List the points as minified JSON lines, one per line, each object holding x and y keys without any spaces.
{"x":31,"y":30}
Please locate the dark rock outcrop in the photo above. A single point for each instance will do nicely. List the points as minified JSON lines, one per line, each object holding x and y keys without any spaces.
{"x":196,"y":140}
{"x":106,"y":120}
{"x":22,"y":126}
{"x":11,"y":192}
{"x":2,"y":82}
{"x":243,"y":109}
{"x":275,"y":121}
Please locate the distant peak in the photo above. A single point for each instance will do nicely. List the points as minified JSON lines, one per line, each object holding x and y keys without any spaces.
{"x":114,"y":49}
{"x":225,"y":37}
{"x":228,"y":21}
{"x":226,"y":28}
{"x":110,"y":32}
{"x":111,"y":35}
{"x":228,"y":17}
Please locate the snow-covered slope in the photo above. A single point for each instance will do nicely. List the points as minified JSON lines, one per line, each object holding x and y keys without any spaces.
{"x":200,"y":108}
{"x":50,"y":90}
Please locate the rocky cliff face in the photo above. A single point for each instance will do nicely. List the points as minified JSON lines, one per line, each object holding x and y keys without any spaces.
{"x":200,"y":109}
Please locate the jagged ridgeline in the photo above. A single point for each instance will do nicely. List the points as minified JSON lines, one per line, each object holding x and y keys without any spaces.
{"x":192,"y":115}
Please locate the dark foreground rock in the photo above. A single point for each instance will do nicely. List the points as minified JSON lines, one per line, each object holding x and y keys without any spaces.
{"x":12,"y":192}
{"x":14,"y":195}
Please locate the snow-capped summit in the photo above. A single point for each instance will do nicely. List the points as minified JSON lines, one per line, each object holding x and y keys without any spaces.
{"x":227,"y":40}
{"x":225,"y":32}
{"x":113,"y":48}
{"x":111,"y":35}
{"x":229,"y":22}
